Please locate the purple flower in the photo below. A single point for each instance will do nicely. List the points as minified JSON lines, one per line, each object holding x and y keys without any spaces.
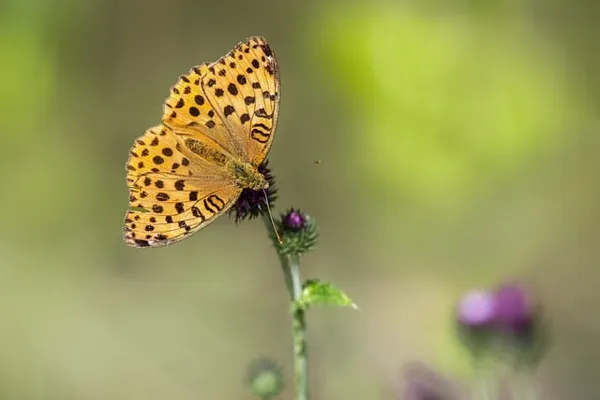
{"x":299,"y":232}
{"x":513,"y":309}
{"x":476,"y":309}
{"x":293,"y":221}
{"x":507,"y":308}
{"x":504,"y":320}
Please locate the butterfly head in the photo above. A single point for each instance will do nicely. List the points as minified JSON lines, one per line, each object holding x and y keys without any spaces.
{"x":248,"y":177}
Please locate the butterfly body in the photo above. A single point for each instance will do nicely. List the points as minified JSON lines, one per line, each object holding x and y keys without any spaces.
{"x":217,"y":128}
{"x":246,"y":175}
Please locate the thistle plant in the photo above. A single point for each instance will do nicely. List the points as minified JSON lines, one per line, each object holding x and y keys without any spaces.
{"x":502,"y":328}
{"x":505,"y":334}
{"x":293,"y":234}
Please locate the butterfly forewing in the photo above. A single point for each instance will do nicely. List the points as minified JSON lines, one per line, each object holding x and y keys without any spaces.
{"x":189,"y":113}
{"x":173,"y":192}
{"x":243,"y":88}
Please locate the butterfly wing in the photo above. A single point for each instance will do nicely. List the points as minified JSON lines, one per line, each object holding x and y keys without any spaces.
{"x":173,"y":192}
{"x":243,"y":89}
{"x":188,"y":112}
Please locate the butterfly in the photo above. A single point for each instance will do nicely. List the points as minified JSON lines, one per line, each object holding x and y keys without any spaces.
{"x":217,"y":127}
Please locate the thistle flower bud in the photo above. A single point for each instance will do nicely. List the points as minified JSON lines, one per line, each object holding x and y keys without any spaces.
{"x":293,"y":221}
{"x":300,"y":233}
{"x":265,"y":378}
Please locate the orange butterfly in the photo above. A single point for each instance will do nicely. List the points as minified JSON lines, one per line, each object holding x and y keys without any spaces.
{"x":217,"y":128}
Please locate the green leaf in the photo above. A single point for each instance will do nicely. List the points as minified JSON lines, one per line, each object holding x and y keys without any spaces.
{"x":317,"y":292}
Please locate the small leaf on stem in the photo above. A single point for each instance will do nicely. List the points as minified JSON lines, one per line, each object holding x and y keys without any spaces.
{"x":318,"y":292}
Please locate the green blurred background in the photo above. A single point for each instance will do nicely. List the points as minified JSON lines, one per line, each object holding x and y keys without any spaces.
{"x":459,"y":148}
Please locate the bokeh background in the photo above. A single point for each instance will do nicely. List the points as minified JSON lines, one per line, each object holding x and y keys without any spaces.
{"x":459,"y":148}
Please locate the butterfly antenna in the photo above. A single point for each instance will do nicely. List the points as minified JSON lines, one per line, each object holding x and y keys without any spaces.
{"x":271,"y":217}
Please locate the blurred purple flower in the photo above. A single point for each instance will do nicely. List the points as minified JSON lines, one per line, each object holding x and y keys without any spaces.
{"x":507,"y":308}
{"x":506,"y":315}
{"x":476,"y":308}
{"x":513,"y":309}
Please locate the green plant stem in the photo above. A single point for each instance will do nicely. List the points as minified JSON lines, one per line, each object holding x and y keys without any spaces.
{"x":523,"y":386}
{"x":290,"y":264}
{"x":298,"y":331}
{"x":485,"y":385}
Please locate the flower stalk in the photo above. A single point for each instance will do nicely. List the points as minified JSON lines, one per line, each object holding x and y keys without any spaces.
{"x":290,"y":265}
{"x":298,"y":331}
{"x":295,"y":233}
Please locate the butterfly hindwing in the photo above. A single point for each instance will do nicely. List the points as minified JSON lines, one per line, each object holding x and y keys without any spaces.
{"x":173,"y":193}
{"x":154,"y":229}
{"x":243,"y":88}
